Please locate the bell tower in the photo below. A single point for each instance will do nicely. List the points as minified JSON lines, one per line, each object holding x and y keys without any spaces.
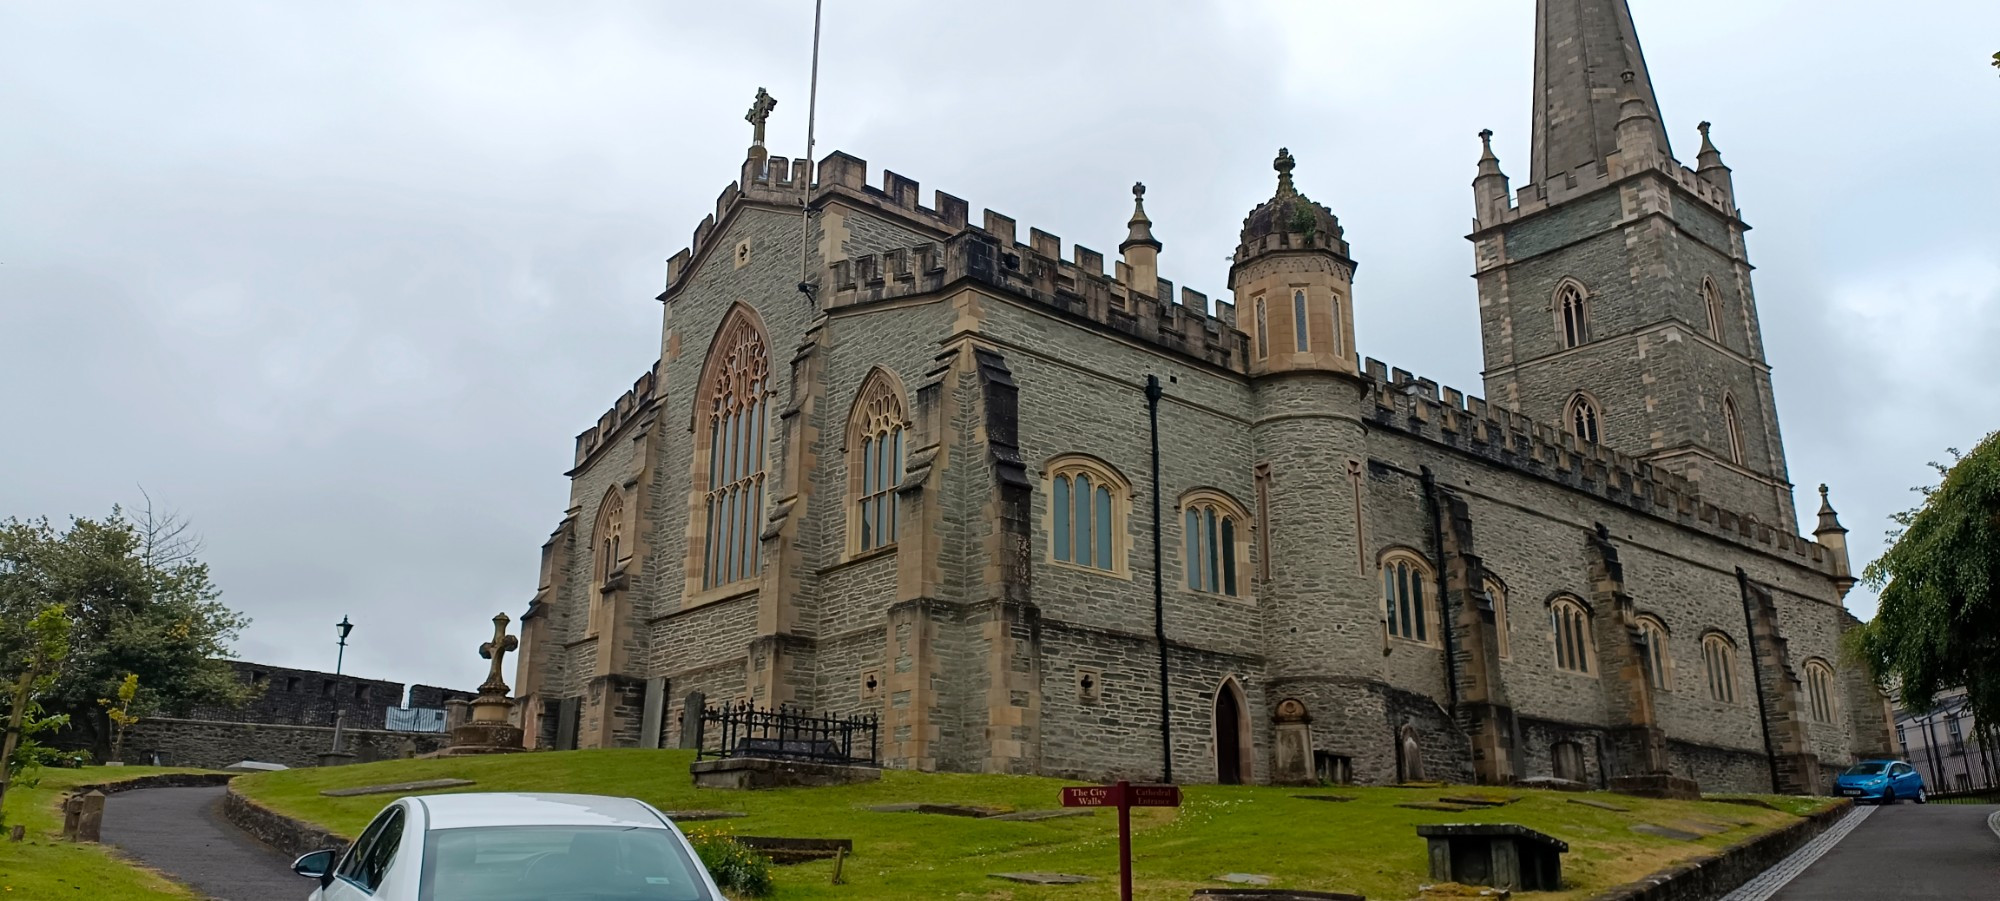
{"x":1614,"y":287}
{"x":1293,"y":282}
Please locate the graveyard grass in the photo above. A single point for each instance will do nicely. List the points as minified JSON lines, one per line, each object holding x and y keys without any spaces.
{"x":1367,"y":846}
{"x":46,"y":867}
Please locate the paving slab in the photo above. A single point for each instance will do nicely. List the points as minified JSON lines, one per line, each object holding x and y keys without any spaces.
{"x":181,"y":832}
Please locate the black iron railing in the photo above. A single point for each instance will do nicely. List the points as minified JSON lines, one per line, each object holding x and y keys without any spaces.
{"x":786,"y":733}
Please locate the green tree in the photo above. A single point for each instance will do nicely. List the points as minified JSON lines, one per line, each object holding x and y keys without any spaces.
{"x":130,"y":612}
{"x":120,"y":712}
{"x":38,"y":645}
{"x":1939,"y":623}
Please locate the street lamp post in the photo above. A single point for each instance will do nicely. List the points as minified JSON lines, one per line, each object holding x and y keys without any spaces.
{"x":343,"y":627}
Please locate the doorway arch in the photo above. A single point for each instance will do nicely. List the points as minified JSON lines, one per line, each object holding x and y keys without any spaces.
{"x":1233,"y":749}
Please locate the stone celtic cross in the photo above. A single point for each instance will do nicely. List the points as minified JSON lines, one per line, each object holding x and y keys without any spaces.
{"x":495,"y":650}
{"x":760,"y":112}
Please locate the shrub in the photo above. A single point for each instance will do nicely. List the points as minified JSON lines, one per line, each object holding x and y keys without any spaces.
{"x":735,"y":868}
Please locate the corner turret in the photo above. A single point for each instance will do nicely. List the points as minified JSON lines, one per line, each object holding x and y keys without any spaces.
{"x":1140,"y":250}
{"x":1833,"y":536}
{"x":1638,"y":129}
{"x":1709,"y":164}
{"x":1490,"y":191}
{"x":1293,"y":277}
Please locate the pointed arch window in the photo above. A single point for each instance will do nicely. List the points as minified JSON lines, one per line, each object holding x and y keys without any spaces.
{"x":1215,"y":549}
{"x":1263,"y":330}
{"x":1819,"y":691}
{"x":1088,"y":505}
{"x":1569,"y":626}
{"x":1659,"y":658}
{"x":607,"y":539}
{"x":734,"y":407}
{"x":1732,"y":430}
{"x":1498,"y":594}
{"x":1299,"y":320}
{"x":1583,"y":418}
{"x":1406,"y":579}
{"x":1573,"y":313}
{"x":1711,"y":302}
{"x":876,"y":434}
{"x":1718,"y":663}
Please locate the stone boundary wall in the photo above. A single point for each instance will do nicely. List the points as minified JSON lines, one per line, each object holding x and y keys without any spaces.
{"x":1711,"y":878}
{"x":289,"y":836}
{"x":212,"y":744}
{"x":155,"y":780}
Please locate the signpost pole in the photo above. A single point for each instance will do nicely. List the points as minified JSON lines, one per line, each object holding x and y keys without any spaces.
{"x":1124,"y":841}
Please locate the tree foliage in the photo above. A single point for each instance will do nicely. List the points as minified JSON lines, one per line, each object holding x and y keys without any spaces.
{"x":1939,"y":623}
{"x":131,"y":609}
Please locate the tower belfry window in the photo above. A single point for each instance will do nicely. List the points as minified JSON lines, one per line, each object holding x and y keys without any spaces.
{"x":1583,"y":418}
{"x":1299,"y":320}
{"x":1263,"y":330}
{"x":1711,"y":301}
{"x":1574,"y":312}
{"x":1733,"y":430}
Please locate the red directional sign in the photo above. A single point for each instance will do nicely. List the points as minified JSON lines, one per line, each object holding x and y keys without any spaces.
{"x":1090,"y":796}
{"x":1154,"y":795}
{"x":1123,"y":796}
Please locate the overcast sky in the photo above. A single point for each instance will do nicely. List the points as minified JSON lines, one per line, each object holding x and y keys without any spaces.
{"x":342,"y":281}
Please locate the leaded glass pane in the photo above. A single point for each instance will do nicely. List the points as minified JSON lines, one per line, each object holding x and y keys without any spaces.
{"x":1229,"y":556}
{"x":1104,"y":560}
{"x":1193,"y":543}
{"x":1060,"y":505}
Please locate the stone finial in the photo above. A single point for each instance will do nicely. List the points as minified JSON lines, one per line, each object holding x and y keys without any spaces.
{"x":1285,"y":164}
{"x":1709,"y":163}
{"x":760,"y":112}
{"x":1637,"y":127}
{"x":1139,"y":229}
{"x":1829,"y":521}
{"x":1488,"y":163}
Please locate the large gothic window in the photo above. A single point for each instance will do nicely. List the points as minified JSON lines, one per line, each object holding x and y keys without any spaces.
{"x":876,"y":431}
{"x":1299,"y":320}
{"x":1659,"y":659}
{"x":1214,"y":547}
{"x":734,"y":406}
{"x":1718,"y":663}
{"x":1819,"y":691}
{"x":1569,"y":625}
{"x":1573,"y":314}
{"x":1711,"y":302}
{"x":1405,"y":597}
{"x":1582,"y":417}
{"x":1087,"y":508}
{"x":607,"y":540}
{"x":1732,"y":430}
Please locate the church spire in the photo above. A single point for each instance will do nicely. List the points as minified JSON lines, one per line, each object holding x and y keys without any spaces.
{"x":1582,"y":47}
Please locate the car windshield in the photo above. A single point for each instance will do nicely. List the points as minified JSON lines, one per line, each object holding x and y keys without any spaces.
{"x":575,"y":863}
{"x":1866,"y":769}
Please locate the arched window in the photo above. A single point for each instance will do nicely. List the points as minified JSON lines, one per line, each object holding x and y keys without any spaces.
{"x":1718,"y":661}
{"x":1583,"y":418}
{"x":1819,"y":690}
{"x":1659,"y":658}
{"x":1087,"y":505}
{"x":1569,"y":625}
{"x":607,"y":545}
{"x":1498,"y":593}
{"x":1732,"y":430}
{"x":1299,"y":320}
{"x":1263,"y":330}
{"x":1711,"y":301}
{"x":876,"y":427}
{"x":1573,"y":313}
{"x":1335,"y":325}
{"x":1406,"y":581}
{"x":732,"y":409}
{"x":1215,"y":549}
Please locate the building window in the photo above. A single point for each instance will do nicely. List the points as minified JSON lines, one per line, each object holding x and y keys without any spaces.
{"x":1263,"y":477}
{"x":1299,"y":320}
{"x":1819,"y":691}
{"x":1957,"y":736}
{"x":735,"y":403}
{"x":1718,"y":659}
{"x":1087,"y":505}
{"x":876,"y":430}
{"x":1711,"y":301}
{"x":1659,"y":659}
{"x":1569,"y":625}
{"x":1583,"y":418}
{"x":1263,"y":329}
{"x":1732,"y":430}
{"x":1334,"y":324}
{"x":1498,"y":594}
{"x":1902,"y":741}
{"x":1214,"y":549}
{"x":1405,"y":577}
{"x":1573,"y":312}
{"x":291,"y":683}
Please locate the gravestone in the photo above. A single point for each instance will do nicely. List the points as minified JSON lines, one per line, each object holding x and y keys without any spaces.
{"x":1292,"y":757}
{"x":1501,"y":855}
{"x":490,"y":729}
{"x":691,"y":709}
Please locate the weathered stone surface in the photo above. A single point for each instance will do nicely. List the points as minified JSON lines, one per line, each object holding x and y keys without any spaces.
{"x":1713,"y":877}
{"x":1702,"y":827}
{"x":1744,"y":800}
{"x":1666,"y":832}
{"x":1433,"y":805}
{"x":213,"y":745}
{"x":1600,"y":805}
{"x":289,"y":836}
{"x":1272,"y":894}
{"x":758,"y":772}
{"x":1476,"y":801}
{"x":398,"y":788}
{"x":1244,"y":878}
{"x":950,"y":810}
{"x":1670,"y":787}
{"x":1035,"y":816}
{"x":1334,"y":798}
{"x":1042,"y":878}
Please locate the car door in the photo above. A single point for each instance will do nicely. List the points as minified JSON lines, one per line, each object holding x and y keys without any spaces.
{"x":362,"y":869}
{"x":1908,"y":780}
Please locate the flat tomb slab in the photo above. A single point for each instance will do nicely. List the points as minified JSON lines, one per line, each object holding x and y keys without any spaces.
{"x":1273,"y":894}
{"x":1434,"y":805}
{"x":1666,"y":832}
{"x":795,"y":850}
{"x":1042,"y":878}
{"x":1036,"y":816}
{"x":1600,"y":805}
{"x":697,"y":816}
{"x":1335,"y":798}
{"x":398,"y":788}
{"x":950,"y":810}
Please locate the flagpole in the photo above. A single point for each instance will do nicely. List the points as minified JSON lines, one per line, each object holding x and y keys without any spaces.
{"x":805,"y":190}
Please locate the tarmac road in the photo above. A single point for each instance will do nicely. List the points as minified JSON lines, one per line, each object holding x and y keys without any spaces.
{"x":1908,"y":851}
{"x":181,"y":832}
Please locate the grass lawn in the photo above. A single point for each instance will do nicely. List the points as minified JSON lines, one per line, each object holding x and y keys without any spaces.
{"x":45,"y":867}
{"x":1367,"y":845}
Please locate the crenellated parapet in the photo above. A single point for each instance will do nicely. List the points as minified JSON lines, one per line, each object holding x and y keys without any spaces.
{"x":1531,"y":199}
{"x":771,"y":180}
{"x":1077,"y":287}
{"x":1393,"y":398}
{"x":630,"y":406}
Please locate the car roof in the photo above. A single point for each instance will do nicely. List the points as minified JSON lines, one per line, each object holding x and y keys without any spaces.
{"x":468,"y":809}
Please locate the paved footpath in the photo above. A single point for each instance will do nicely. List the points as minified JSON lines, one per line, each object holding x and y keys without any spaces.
{"x":1895,"y":852}
{"x":181,"y":832}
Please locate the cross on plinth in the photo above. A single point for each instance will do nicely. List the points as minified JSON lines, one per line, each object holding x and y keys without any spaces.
{"x":495,"y":651}
{"x":760,"y":112}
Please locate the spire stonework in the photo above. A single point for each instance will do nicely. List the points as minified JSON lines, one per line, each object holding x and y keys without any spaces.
{"x":1582,"y":48}
{"x":1490,"y":190}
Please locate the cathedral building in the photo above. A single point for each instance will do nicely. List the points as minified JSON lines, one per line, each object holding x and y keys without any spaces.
{"x":1044,"y":518}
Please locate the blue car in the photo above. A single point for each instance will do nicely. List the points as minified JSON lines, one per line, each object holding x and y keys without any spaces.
{"x":1881,"y":781}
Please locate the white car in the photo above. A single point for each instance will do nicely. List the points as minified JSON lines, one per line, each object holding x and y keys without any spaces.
{"x":513,"y":847}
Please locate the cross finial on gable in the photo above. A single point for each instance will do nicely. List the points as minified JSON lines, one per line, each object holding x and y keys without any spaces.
{"x":760,"y":112}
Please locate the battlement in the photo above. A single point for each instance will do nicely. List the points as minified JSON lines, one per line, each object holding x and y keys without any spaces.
{"x":1418,"y":406}
{"x":772,"y":180}
{"x":1565,"y":186}
{"x":844,"y":176}
{"x":1036,"y":271}
{"x":629,"y":406}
